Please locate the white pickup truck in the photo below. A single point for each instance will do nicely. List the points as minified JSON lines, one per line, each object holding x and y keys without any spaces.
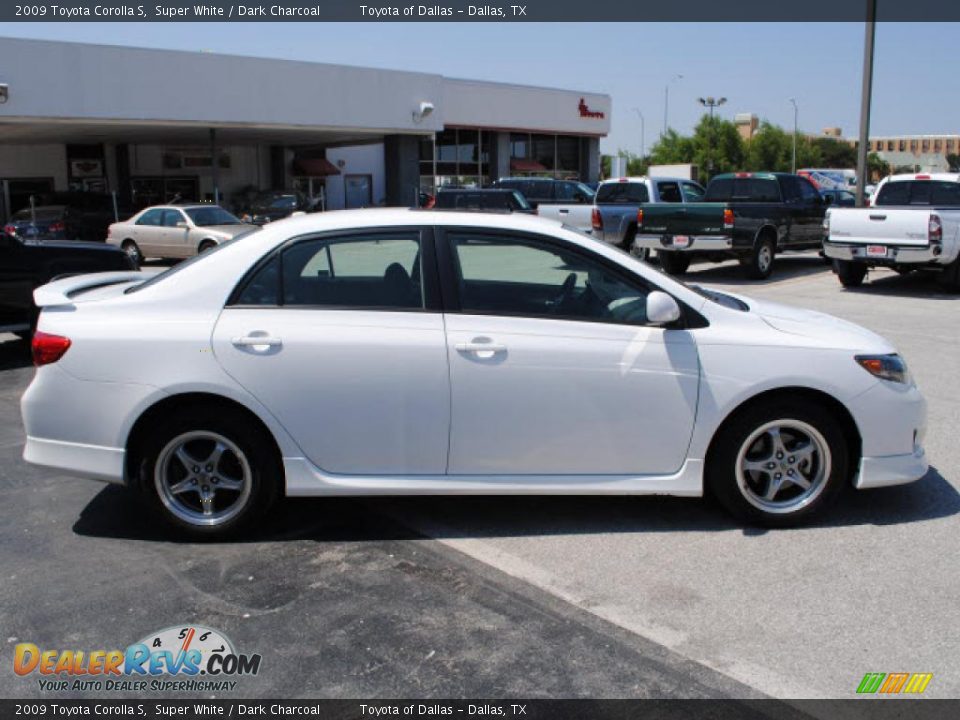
{"x":913,"y":223}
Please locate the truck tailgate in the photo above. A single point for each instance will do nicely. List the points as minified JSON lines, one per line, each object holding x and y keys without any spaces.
{"x":683,"y":219}
{"x":880,"y":226}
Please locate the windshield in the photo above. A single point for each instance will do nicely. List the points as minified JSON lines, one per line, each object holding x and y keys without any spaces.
{"x":213,"y":215}
{"x":743,"y":190}
{"x":160,"y":277}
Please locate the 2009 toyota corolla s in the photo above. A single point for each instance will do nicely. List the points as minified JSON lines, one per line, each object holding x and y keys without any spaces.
{"x":389,"y":352}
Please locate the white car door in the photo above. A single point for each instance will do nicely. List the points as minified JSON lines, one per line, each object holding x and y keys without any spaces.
{"x":145,"y":232}
{"x":553,"y":369}
{"x":175,"y":234}
{"x":333,"y":336}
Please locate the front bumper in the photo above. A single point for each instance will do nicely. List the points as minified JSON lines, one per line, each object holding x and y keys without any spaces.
{"x":702,"y":243}
{"x":895,"y":255}
{"x":891,"y":470}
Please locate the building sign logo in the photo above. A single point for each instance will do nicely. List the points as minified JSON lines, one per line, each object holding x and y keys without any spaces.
{"x":894,"y":683}
{"x":586,"y":112}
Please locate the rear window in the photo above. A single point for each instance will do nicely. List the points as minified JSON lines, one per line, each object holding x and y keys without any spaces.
{"x":743,"y":190}
{"x":623,"y":192}
{"x":919,"y":192}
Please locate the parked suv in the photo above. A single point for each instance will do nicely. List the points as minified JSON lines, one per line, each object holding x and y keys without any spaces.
{"x":539,"y":191}
{"x":489,"y":199}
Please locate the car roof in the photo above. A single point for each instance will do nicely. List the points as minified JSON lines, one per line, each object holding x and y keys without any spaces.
{"x":761,"y":174}
{"x":644,"y":178}
{"x":948,"y":177}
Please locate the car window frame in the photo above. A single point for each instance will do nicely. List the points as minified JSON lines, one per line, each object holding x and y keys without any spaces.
{"x":160,"y":212}
{"x":175,"y":212}
{"x":450,"y":289}
{"x":429,"y":272}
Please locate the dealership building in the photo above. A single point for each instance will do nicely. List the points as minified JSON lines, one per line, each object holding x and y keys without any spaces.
{"x":154,"y":125}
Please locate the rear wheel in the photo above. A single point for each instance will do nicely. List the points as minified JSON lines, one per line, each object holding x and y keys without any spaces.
{"x":949,"y":278}
{"x":208,"y":474}
{"x":674,"y":263}
{"x":628,"y":246}
{"x":206,"y":245}
{"x":850,"y":274}
{"x":778,"y":464}
{"x":759,"y":263}
{"x":133,"y":252}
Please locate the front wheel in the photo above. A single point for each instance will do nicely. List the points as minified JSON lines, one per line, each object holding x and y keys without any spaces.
{"x":850,"y":274}
{"x":778,"y":464}
{"x":208,"y":474}
{"x":674,"y":263}
{"x":133,"y":252}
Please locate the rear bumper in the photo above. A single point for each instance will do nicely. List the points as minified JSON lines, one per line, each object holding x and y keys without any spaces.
{"x":896,"y":254}
{"x":88,"y":461}
{"x":705,"y":243}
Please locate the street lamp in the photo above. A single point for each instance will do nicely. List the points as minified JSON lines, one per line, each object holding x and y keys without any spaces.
{"x":793,"y":164}
{"x":642,"y":150}
{"x":666,"y":102}
{"x":711,"y":102}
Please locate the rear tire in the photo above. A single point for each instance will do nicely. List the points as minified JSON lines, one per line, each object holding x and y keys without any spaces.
{"x":133,"y":252}
{"x":850,"y":274}
{"x":639,"y":253}
{"x":208,"y":474}
{"x":779,"y":463}
{"x":759,"y":264}
{"x":949,"y":278}
{"x":674,"y":263}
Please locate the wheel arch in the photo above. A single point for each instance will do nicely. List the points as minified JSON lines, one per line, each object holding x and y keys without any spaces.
{"x":172,"y":404}
{"x":765,"y":230}
{"x":847,"y":423}
{"x":206,"y":240}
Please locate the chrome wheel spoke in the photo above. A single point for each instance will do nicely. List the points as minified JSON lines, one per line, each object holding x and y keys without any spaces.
{"x":228,"y":483}
{"x":213,"y":460}
{"x":799,"y":479}
{"x":190,"y":463}
{"x":757,"y":466}
{"x":804,"y":453}
{"x":185,"y":485}
{"x":776,"y":441}
{"x":773,"y":487}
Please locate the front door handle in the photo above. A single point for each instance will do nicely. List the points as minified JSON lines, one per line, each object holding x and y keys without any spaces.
{"x":257,"y":341}
{"x":481,"y":349}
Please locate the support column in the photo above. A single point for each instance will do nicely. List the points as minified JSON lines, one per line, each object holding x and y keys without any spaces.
{"x":278,"y":167}
{"x":122,"y":158}
{"x":590,"y":159}
{"x":401,"y":159}
{"x":499,"y":156}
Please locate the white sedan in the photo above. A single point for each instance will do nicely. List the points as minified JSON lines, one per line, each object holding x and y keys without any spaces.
{"x":174,"y":231}
{"x":396,"y":352}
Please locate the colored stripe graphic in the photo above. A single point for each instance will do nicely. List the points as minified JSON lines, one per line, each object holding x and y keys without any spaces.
{"x":918,"y":682}
{"x":871,"y":683}
{"x":894,"y":683}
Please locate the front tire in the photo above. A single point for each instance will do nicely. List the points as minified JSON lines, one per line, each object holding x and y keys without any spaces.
{"x":850,"y":274}
{"x":209,"y":475}
{"x":674,"y":263}
{"x":778,"y":464}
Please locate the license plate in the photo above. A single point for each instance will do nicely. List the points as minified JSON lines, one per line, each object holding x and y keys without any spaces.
{"x":876,"y":250}
{"x":681,"y":240}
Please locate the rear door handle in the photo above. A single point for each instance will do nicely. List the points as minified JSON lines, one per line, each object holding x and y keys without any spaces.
{"x":482,"y":349}
{"x":563,"y":211}
{"x":257,"y":340}
{"x":878,"y":217}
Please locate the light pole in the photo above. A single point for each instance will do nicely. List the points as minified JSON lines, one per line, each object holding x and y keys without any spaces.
{"x":793,"y":164}
{"x":642,"y":149}
{"x":711,"y":102}
{"x":666,"y":102}
{"x":865,"y":100}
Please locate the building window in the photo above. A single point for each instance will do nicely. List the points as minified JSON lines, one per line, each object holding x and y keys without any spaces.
{"x":462,"y":156}
{"x":903,"y":145}
{"x":913,"y":145}
{"x":949,"y":145}
{"x":889,"y":145}
{"x":925,"y":145}
{"x":937,"y":145}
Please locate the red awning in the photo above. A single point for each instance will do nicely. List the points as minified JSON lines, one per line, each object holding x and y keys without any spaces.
{"x":526,"y":166}
{"x":314,"y":167}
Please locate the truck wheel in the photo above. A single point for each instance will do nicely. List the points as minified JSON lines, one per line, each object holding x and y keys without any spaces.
{"x":850,"y":274}
{"x":674,"y":263}
{"x":949,"y":278}
{"x":627,"y":246}
{"x":759,"y":264}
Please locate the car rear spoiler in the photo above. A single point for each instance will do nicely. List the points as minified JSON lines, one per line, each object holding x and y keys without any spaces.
{"x":62,"y":290}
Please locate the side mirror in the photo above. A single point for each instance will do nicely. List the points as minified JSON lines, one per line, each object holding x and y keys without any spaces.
{"x":182,"y":224}
{"x":662,"y":309}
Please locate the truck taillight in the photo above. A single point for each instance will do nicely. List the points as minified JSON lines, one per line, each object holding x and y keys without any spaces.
{"x":58,"y":226}
{"x":640,"y":217}
{"x":727,"y":219}
{"x":934,"y":230}
{"x":10,"y":229}
{"x":48,"y":348}
{"x":595,"y":220}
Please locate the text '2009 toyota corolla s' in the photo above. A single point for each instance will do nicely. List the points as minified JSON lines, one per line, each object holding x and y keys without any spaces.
{"x":393,"y":352}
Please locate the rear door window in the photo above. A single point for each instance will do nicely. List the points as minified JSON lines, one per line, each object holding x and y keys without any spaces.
{"x":669,"y":192}
{"x":151,"y":217}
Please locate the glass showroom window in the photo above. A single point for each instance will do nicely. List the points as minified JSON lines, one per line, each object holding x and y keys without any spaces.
{"x":461,"y":156}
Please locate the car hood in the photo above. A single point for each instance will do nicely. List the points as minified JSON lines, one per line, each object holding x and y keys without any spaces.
{"x":823,"y":329}
{"x":225,"y":230}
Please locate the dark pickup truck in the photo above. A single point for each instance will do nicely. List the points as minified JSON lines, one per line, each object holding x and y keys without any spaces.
{"x":27,"y":264}
{"x":747,"y":216}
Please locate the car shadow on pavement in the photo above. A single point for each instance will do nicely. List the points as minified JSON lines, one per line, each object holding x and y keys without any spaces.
{"x":116,"y":512}
{"x":14,"y":353}
{"x":787,"y":267}
{"x":918,"y":284}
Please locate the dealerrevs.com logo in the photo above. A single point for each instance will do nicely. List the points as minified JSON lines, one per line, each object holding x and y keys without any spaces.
{"x":188,"y":658}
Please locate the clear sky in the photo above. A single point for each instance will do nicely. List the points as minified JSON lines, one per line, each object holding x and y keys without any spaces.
{"x":756,"y":66}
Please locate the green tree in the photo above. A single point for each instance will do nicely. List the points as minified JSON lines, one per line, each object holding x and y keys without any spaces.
{"x":877,"y":167}
{"x":718,"y":147}
{"x":671,"y":149}
{"x":953,"y":161}
{"x":769,"y":149}
{"x":834,"y":153}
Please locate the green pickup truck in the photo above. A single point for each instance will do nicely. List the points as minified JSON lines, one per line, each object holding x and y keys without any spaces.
{"x":747,"y":216}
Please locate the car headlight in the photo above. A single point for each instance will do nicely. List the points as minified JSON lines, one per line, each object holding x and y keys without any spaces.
{"x":886,"y":367}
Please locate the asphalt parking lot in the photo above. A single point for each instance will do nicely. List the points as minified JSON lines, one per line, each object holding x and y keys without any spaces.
{"x":536,"y":597}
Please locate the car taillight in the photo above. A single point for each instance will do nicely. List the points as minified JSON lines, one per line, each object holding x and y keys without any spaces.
{"x":48,"y":348}
{"x":921,"y":177}
{"x":934,"y":230}
{"x":640,"y":217}
{"x":727,"y":218}
{"x":10,"y":229}
{"x":595,"y":220}
{"x":58,"y":226}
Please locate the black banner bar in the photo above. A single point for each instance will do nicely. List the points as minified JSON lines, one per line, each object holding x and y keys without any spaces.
{"x":457,"y":11}
{"x":873,"y":709}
